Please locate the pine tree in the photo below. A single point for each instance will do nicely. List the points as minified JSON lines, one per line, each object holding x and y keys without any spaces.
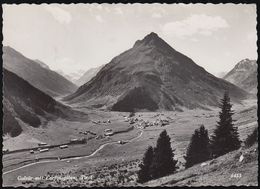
{"x":144,"y":173}
{"x":225,"y":137}
{"x":198,"y":149}
{"x":252,"y":138}
{"x":163,"y":163}
{"x":132,"y":113}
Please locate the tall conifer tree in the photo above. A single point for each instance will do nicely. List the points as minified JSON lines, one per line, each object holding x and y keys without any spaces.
{"x":163,"y":162}
{"x":225,"y":137}
{"x":198,"y":149}
{"x":144,"y":174}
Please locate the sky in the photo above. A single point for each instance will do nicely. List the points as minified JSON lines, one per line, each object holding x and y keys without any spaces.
{"x":76,"y":37}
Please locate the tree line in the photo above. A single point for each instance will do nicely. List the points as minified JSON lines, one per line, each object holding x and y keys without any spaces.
{"x":159,"y":161}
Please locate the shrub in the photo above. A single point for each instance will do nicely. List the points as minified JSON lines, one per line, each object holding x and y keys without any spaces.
{"x":132,"y":114}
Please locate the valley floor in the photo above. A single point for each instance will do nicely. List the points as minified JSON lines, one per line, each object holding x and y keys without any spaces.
{"x":115,"y":160}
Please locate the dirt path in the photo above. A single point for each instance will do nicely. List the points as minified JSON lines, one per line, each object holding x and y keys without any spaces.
{"x":73,"y":158}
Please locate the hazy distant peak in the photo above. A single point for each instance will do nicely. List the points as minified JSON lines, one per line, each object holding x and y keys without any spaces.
{"x":42,"y":64}
{"x":10,"y":50}
{"x":246,"y":63}
{"x":88,"y":75}
{"x":244,"y":75}
{"x":7,"y":47}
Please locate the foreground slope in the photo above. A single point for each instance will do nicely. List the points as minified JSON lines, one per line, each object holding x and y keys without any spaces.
{"x":225,"y":170}
{"x":36,"y":74}
{"x":25,"y":104}
{"x":244,"y":75}
{"x":151,"y":76}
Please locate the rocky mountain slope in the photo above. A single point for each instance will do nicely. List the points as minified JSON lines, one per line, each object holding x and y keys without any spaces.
{"x":24,"y":104}
{"x":36,"y":73}
{"x":88,"y":75}
{"x":244,"y":75}
{"x":153,"y":76}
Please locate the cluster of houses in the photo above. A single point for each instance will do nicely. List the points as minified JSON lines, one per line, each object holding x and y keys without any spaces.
{"x":43,"y":146}
{"x":108,"y":132}
{"x":87,"y":132}
{"x":141,"y":124}
{"x":131,"y":120}
{"x":99,"y":122}
{"x":78,"y":141}
{"x":41,"y":150}
{"x":144,"y":124}
{"x":99,"y":137}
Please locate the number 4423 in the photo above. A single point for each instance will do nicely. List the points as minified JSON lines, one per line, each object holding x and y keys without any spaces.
{"x":236,"y":175}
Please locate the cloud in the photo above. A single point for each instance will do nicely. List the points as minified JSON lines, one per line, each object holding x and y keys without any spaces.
{"x":107,"y":9}
{"x":252,"y":36}
{"x":99,"y":18}
{"x":99,"y":7}
{"x":228,"y":54}
{"x":66,"y":64}
{"x":65,"y":60}
{"x":59,"y":14}
{"x":158,"y":12}
{"x":118,"y":10}
{"x":195,"y":24}
{"x":194,"y":40}
{"x":156,"y":15}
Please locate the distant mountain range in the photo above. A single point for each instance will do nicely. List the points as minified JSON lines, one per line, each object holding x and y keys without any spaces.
{"x":244,"y":75}
{"x":88,"y":75}
{"x":36,"y":73}
{"x":73,"y":77}
{"x":42,"y":64}
{"x":24,"y":105}
{"x":221,"y":74}
{"x":153,"y":76}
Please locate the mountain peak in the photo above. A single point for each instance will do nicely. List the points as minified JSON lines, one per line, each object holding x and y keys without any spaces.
{"x":153,"y":40}
{"x":152,"y":76}
{"x":151,"y":36}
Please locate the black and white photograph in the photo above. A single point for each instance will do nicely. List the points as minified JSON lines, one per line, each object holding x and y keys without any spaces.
{"x":129,"y":95}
